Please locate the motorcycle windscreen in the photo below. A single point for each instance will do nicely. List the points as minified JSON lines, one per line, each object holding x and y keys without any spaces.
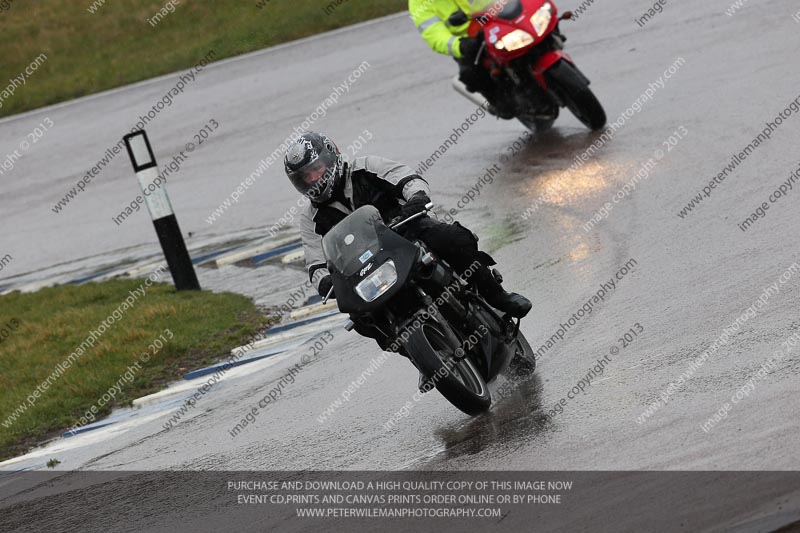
{"x":494,"y":6}
{"x":354,"y":241}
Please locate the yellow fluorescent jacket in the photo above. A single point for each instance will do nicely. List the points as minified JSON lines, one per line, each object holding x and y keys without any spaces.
{"x":430,"y":18}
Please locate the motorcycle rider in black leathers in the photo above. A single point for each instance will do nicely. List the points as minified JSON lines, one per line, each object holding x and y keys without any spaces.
{"x":336,"y":187}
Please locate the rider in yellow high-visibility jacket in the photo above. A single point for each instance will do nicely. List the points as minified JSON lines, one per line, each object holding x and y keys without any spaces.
{"x":431,"y":19}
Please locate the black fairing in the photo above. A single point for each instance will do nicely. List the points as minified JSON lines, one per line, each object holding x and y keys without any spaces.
{"x":367,"y":226}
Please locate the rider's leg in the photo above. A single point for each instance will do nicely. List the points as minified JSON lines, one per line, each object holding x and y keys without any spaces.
{"x":477,"y":79}
{"x":459,"y":247}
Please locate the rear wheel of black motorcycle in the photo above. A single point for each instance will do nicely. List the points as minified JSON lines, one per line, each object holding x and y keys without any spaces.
{"x":433,"y":346}
{"x":524,"y":361}
{"x":574,"y":90}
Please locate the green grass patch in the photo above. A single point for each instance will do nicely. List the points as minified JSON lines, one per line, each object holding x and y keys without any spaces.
{"x":116,"y":45}
{"x":39,"y":331}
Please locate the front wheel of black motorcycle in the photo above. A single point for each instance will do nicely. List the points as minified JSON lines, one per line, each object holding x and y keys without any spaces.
{"x":433,"y":347}
{"x":573,"y":89}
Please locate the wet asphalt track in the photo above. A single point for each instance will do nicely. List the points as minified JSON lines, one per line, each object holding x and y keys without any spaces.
{"x":693,"y":277}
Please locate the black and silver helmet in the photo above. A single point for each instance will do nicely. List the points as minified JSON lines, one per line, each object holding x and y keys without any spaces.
{"x":314,"y":166}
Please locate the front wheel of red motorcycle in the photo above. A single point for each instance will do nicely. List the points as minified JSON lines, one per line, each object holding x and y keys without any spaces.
{"x":573,"y":88}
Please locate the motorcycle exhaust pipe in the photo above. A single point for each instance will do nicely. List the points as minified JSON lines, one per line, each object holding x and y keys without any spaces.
{"x":475,"y":98}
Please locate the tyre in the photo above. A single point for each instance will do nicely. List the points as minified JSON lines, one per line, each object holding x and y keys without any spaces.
{"x":432,"y":346}
{"x":573,"y":88}
{"x":524,"y":361}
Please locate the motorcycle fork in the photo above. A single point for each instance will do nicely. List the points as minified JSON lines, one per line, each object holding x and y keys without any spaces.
{"x":455,"y":319}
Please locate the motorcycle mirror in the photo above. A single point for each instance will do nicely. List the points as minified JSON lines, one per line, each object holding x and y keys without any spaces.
{"x":566,"y":15}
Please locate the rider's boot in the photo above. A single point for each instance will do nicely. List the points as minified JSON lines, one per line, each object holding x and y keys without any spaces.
{"x":500,"y":111}
{"x":424,"y":385}
{"x":498,"y":106}
{"x":492,"y":291}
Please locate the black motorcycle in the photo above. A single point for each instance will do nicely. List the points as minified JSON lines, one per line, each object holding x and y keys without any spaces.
{"x":422,"y":308}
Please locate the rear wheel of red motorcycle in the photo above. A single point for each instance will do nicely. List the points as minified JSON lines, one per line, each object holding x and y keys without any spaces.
{"x":573,"y":88}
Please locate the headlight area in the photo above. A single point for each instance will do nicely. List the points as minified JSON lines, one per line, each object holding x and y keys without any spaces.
{"x":377,"y":283}
{"x":541,"y":19}
{"x":514,"y":41}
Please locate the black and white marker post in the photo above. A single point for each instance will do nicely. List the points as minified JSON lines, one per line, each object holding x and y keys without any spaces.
{"x":164,"y":220}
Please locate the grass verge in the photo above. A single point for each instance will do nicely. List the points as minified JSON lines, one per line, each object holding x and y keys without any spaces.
{"x":40,"y":331}
{"x":94,"y":45}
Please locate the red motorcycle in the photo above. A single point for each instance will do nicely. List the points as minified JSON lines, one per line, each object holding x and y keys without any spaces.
{"x":523,"y":51}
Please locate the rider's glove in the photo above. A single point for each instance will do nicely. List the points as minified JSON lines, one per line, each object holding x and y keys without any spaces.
{"x":469,"y":47}
{"x":415,"y":204}
{"x":325,"y":285}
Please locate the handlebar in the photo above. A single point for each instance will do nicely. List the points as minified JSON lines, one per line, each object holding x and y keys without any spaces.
{"x":480,"y":53}
{"x":327,"y":296}
{"x":395,"y":225}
